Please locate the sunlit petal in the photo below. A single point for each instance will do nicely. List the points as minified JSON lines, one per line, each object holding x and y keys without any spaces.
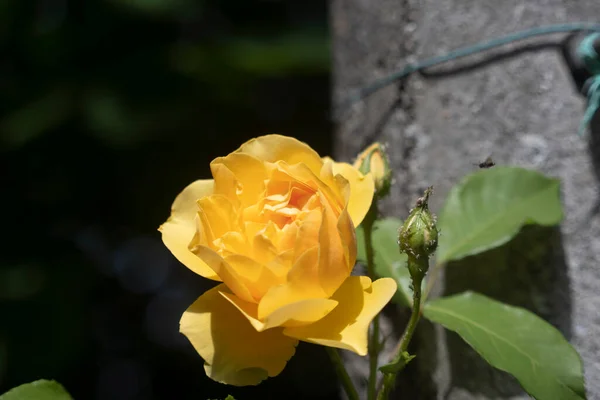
{"x":348,"y":235}
{"x":258,"y":278}
{"x":302,"y":284}
{"x":308,"y":233}
{"x":329,"y":190}
{"x":225,"y":182}
{"x":346,"y":327}
{"x":249,"y":172}
{"x":273,"y":148}
{"x":362,"y":189}
{"x":176,"y":236}
{"x":218,"y":216}
{"x":226,"y":272}
{"x":333,"y":263}
{"x":180,"y":228}
{"x":301,"y":313}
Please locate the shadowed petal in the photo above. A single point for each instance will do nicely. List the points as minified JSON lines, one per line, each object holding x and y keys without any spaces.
{"x":233,"y":351}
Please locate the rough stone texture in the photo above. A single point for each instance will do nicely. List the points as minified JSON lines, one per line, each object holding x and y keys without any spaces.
{"x":523,"y":111}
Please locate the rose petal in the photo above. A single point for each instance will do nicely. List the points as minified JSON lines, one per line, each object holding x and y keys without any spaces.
{"x":347,"y":233}
{"x":336,"y":184}
{"x":308,"y":233}
{"x":180,"y":228}
{"x":346,"y":327}
{"x":218,"y":216}
{"x":333,"y":261}
{"x":225,"y":182}
{"x":362,"y":189}
{"x":301,"y":313}
{"x":229,"y":275}
{"x":320,"y":182}
{"x":302,"y":284}
{"x":273,"y":148}
{"x":233,"y":351}
{"x":232,"y":243}
{"x":261,"y":237}
{"x":248,"y":171}
{"x":256,"y":277}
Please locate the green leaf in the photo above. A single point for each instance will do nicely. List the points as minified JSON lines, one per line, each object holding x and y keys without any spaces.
{"x":298,"y":51}
{"x":3,"y":353}
{"x":38,"y":390}
{"x":40,"y":115}
{"x":489,"y":207}
{"x":516,"y":341}
{"x":389,"y":262}
{"x":158,"y":7}
{"x":398,"y":364}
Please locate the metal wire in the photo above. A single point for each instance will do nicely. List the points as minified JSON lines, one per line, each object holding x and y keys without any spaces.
{"x":468,"y":51}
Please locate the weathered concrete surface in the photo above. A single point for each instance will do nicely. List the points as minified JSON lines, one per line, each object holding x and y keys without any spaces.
{"x":524,"y":112}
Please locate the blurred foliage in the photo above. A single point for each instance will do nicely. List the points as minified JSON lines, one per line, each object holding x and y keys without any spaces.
{"x":38,"y":390}
{"x":141,"y":69}
{"x":109,"y":108}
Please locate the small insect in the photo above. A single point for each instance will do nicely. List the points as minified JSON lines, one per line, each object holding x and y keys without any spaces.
{"x":488,"y":163}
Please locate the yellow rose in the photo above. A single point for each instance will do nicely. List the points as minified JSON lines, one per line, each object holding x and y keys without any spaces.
{"x":276,"y":226}
{"x":373,"y":159}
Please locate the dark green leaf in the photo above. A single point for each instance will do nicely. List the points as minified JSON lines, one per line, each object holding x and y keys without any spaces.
{"x":3,"y":353}
{"x":489,"y":207}
{"x":37,"y":117}
{"x":389,"y":262}
{"x":296,"y":51}
{"x":158,"y":7}
{"x":516,"y":341}
{"x":38,"y":390}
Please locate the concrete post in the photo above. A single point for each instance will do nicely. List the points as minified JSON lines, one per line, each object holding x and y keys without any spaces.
{"x":524,"y":111}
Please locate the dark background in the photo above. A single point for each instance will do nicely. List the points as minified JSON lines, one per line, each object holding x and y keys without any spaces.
{"x":108,"y":108}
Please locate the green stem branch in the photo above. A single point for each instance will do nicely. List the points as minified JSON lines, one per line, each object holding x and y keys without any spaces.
{"x":340,"y":370}
{"x":412,"y":323}
{"x":401,"y":356}
{"x":374,"y":332}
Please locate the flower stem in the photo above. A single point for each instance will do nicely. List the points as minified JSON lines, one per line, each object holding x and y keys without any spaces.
{"x":418,"y":239}
{"x":402,"y":357}
{"x":342,"y":373}
{"x":374,"y":331}
{"x":412,"y":323}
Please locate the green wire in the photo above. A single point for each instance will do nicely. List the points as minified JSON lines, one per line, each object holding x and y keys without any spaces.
{"x":587,"y":53}
{"x":468,"y":51}
{"x":593,"y":95}
{"x":591,"y":59}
